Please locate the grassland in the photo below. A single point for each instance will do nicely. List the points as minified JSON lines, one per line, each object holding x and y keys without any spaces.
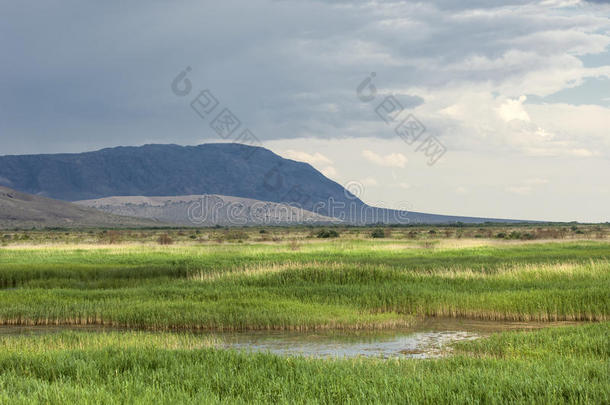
{"x":290,"y":280}
{"x":329,"y":284}
{"x":559,"y":365}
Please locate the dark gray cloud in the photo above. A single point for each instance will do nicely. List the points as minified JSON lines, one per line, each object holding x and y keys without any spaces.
{"x":79,"y":75}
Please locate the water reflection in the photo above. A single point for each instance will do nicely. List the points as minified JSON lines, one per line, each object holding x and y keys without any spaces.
{"x":429,"y":338}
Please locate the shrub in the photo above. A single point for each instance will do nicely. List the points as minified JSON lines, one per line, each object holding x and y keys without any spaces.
{"x":378,"y":233}
{"x":235,"y":234}
{"x":427,"y":244}
{"x":327,"y":233}
{"x":113,"y":236}
{"x":514,"y":235}
{"x":294,"y":245}
{"x":165,"y":239}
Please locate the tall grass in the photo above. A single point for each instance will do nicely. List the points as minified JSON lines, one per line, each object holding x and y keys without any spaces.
{"x":563,"y":365}
{"x":342,"y":284}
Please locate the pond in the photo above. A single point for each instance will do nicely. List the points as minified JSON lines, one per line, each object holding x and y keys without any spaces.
{"x":429,"y":338}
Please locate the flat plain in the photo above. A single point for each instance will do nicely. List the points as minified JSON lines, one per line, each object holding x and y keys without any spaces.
{"x":158,"y":297}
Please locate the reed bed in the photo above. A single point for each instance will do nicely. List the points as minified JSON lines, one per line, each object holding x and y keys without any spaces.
{"x":553,"y":366}
{"x":347,"y":284}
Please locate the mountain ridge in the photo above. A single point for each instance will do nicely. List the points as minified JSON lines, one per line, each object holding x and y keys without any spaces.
{"x":227,"y":169}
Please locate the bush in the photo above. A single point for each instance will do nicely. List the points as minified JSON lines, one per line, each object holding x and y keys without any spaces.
{"x":501,"y":235}
{"x":235,"y":235}
{"x":165,"y":240}
{"x":378,"y":233}
{"x":294,"y":245}
{"x":514,"y":235}
{"x":113,"y":236}
{"x":327,"y":233}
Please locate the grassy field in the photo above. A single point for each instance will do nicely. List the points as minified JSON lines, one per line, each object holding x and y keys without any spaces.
{"x":559,"y":365}
{"x":327,"y":284}
{"x":300,"y":282}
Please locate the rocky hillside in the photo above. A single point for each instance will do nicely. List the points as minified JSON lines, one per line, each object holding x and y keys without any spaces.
{"x":21,"y":210}
{"x":207,"y":210}
{"x":225,"y":169}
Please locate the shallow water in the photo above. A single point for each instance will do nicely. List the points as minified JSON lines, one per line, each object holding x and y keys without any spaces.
{"x":429,"y":338}
{"x":405,"y":344}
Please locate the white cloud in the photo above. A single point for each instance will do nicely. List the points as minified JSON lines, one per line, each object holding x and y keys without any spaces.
{"x":527,"y":186}
{"x":513,"y":110}
{"x":391,"y":160}
{"x":313,"y":159}
{"x":582,"y":152}
{"x":536,"y":181}
{"x":523,"y":190}
{"x":329,"y":171}
{"x":369,"y":181}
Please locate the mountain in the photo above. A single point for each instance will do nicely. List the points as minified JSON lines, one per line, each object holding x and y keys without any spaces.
{"x":20,"y":210}
{"x":226,"y":169}
{"x":207,"y":210}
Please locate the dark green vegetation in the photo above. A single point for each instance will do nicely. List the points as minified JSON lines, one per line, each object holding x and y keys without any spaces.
{"x":220,"y":234}
{"x":559,"y":365}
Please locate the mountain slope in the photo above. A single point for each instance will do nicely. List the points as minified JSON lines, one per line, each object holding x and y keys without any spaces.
{"x":207,"y":210}
{"x":226,"y":169}
{"x":170,"y":170}
{"x":20,"y":210}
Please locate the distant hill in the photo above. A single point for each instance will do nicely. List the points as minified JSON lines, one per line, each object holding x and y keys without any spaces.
{"x":226,"y":169}
{"x":207,"y":210}
{"x":20,"y":210}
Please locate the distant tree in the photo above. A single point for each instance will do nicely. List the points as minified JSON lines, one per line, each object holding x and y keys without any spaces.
{"x":165,"y":239}
{"x":378,"y":233}
{"x":327,"y":233}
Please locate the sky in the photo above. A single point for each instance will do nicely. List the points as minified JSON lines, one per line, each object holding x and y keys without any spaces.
{"x":480,"y":108}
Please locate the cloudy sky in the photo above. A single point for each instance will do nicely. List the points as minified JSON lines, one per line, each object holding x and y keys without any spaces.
{"x":516,"y":93}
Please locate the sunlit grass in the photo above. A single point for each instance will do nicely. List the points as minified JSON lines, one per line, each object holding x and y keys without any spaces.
{"x":559,"y":365}
{"x":331,"y":284}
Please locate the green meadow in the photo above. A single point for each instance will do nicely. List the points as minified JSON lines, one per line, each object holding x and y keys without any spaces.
{"x":328,"y":284}
{"x":166,"y":298}
{"x":550,"y":366}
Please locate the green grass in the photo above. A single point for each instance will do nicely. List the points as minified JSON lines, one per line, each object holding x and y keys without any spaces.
{"x":348,"y":283}
{"x":553,"y":366}
{"x":340,"y":284}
